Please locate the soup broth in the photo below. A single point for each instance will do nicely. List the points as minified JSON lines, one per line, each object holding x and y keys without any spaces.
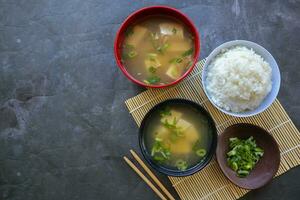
{"x":178,"y":137}
{"x":157,"y":50}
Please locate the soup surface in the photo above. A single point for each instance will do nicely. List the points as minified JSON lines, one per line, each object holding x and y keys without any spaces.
{"x":178,"y":137}
{"x":157,"y":50}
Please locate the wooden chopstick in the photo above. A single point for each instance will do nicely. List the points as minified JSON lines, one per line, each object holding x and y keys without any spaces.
{"x":150,"y":173}
{"x":144,"y":178}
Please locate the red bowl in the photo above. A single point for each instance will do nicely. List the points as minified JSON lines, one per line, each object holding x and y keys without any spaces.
{"x":150,"y":11}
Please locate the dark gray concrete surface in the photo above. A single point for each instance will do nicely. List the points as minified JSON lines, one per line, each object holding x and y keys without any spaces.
{"x":63,"y":124}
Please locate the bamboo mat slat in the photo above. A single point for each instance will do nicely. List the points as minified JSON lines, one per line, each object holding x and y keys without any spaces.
{"x":210,"y":183}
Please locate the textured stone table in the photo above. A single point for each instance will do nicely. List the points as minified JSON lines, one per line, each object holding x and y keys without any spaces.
{"x":63,"y":124}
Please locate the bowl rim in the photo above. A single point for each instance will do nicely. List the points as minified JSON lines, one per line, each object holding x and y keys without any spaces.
{"x":219,"y":157}
{"x":189,"y":23}
{"x":197,"y":167}
{"x":247,"y":44}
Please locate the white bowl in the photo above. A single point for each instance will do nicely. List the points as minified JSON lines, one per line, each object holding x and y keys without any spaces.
{"x":269,"y":99}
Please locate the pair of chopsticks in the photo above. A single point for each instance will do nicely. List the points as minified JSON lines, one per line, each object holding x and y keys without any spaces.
{"x":148,"y":171}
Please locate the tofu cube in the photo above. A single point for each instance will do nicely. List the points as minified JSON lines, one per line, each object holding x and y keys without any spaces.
{"x":139,"y":33}
{"x":191,"y":134}
{"x":152,"y":61}
{"x":181,"y":146}
{"x":174,"y":29}
{"x":185,"y":145}
{"x":183,"y":125}
{"x":162,"y":133}
{"x":174,"y":71}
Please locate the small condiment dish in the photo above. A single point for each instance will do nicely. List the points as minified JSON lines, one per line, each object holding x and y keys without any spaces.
{"x":265,"y":168}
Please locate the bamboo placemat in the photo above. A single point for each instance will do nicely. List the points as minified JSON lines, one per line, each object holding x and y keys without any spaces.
{"x":210,"y":183}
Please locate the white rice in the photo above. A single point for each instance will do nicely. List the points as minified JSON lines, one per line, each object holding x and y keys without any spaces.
{"x":238,"y":79}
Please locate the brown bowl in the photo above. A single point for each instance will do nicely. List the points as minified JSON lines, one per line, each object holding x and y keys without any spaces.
{"x":264,"y":169}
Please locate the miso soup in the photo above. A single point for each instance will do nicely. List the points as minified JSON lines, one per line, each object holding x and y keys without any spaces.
{"x":157,"y":50}
{"x":178,"y":137}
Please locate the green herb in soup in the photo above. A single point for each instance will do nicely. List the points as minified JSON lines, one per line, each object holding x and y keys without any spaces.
{"x":157,"y":50}
{"x":166,"y":111}
{"x":181,"y":165}
{"x":130,"y":52}
{"x":152,"y":80}
{"x":198,"y":150}
{"x":243,"y":155}
{"x":160,"y":152}
{"x":187,"y":53}
{"x":178,"y":137}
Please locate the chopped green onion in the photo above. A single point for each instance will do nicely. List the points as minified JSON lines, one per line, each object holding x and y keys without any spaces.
{"x":243,"y":155}
{"x":159,"y":151}
{"x":201,"y":152}
{"x":153,"y":80}
{"x":179,"y":60}
{"x":188,"y":52}
{"x":166,"y":111}
{"x":181,"y":165}
{"x":162,"y":48}
{"x":152,"y":69}
{"x":159,"y":158}
{"x":234,"y":166}
{"x":172,"y":126}
{"x":243,"y":173}
{"x":260,"y":154}
{"x":152,"y":55}
{"x":176,"y":60}
{"x":132,"y":54}
{"x":169,"y":125}
{"x":231,"y":153}
{"x":129,"y":46}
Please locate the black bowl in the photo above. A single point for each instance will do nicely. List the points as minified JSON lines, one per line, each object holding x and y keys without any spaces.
{"x":193,"y":169}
